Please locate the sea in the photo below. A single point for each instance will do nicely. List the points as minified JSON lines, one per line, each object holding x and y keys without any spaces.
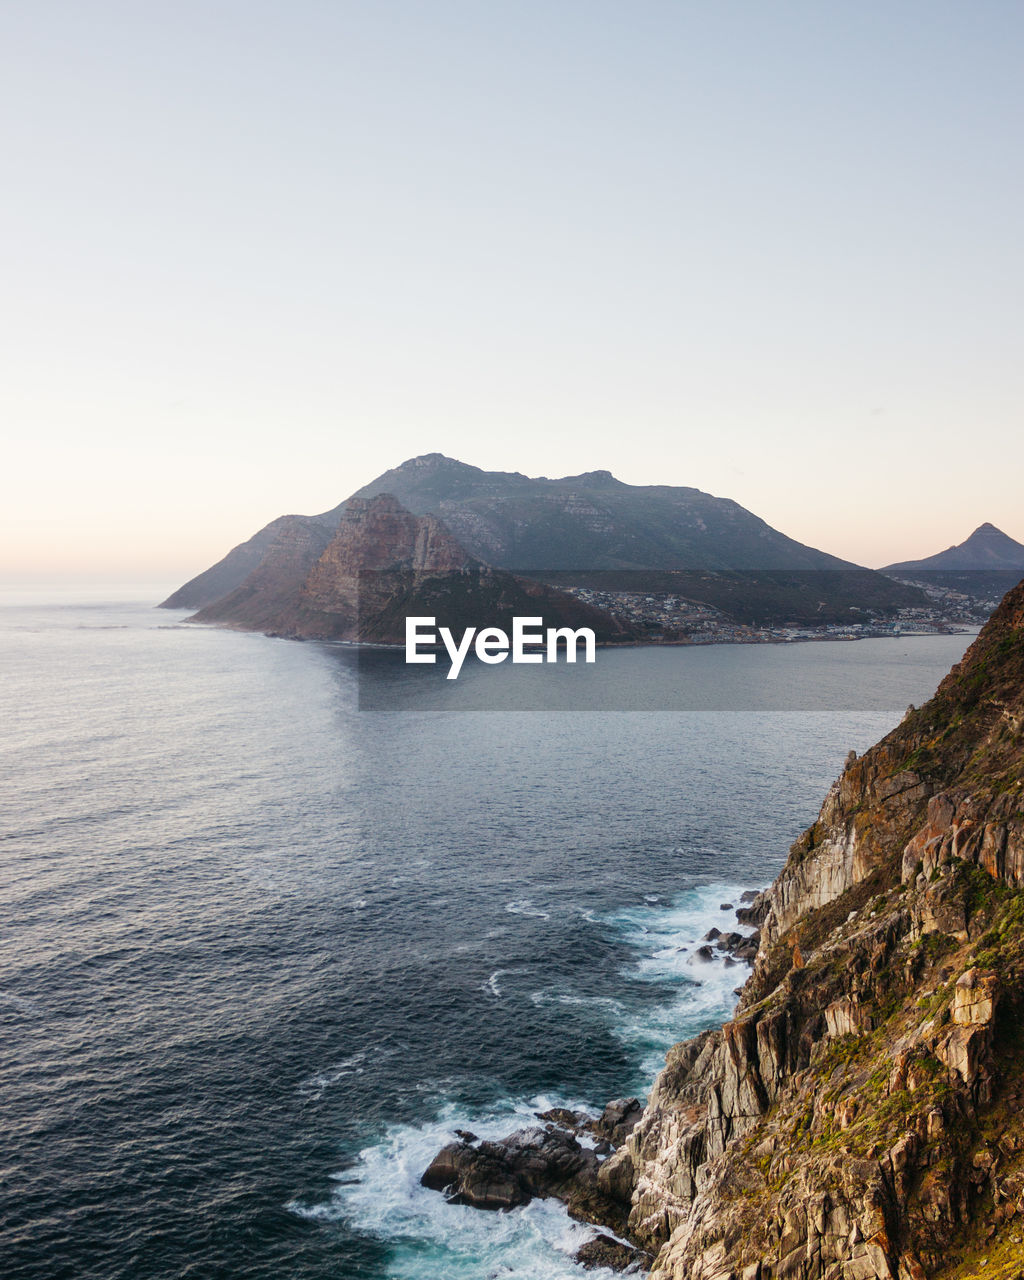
{"x":267,"y":938}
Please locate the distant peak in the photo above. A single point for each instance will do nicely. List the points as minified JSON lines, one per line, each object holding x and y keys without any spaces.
{"x":987,"y":528}
{"x":594,"y":478}
{"x":434,"y":461}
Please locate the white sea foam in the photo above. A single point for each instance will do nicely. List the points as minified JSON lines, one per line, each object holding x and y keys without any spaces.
{"x":492,"y":986}
{"x":316,"y":1085}
{"x":11,"y":1001}
{"x":555,"y":996}
{"x":430,"y":1239}
{"x":525,"y":907}
{"x":700,"y":993}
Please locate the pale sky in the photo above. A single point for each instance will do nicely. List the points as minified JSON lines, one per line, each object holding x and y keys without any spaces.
{"x":255,"y":253}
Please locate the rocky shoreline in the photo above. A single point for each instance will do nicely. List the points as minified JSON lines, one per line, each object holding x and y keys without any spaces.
{"x":860,"y":1116}
{"x":562,"y":1157}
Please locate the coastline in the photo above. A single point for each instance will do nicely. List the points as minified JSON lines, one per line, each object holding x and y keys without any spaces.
{"x":858,"y":1116}
{"x":653,"y":643}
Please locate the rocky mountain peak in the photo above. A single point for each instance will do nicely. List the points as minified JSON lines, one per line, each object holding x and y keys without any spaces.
{"x":987,"y":548}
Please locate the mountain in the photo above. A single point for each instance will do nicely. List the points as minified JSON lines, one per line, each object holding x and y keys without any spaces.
{"x":988,"y":548}
{"x":861,"y":1116}
{"x":980,"y":570}
{"x":589,"y":522}
{"x":299,"y":538}
{"x":381,"y":565}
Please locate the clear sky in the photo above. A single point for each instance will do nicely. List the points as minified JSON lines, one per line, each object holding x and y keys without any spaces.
{"x":255,"y":253}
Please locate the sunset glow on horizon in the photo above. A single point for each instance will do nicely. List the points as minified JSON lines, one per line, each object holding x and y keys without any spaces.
{"x":258,"y":254}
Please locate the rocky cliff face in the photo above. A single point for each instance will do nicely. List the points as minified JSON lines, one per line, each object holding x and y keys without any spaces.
{"x":288,"y":553}
{"x":383,"y":564}
{"x":860,"y":1117}
{"x":377,"y":539}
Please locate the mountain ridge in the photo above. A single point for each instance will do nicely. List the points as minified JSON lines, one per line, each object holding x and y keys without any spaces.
{"x":588,"y":522}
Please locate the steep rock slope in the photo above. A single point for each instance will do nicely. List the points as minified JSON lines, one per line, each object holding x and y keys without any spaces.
{"x":860,"y":1117}
{"x":383,"y":564}
{"x":295,"y":539}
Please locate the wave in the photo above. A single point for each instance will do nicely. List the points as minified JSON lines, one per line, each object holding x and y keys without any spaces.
{"x":525,"y":907}
{"x":380,"y":1195}
{"x":492,"y":986}
{"x":315,"y":1086}
{"x":666,"y":938}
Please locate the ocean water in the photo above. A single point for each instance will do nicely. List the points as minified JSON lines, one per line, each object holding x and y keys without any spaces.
{"x":261,"y":952}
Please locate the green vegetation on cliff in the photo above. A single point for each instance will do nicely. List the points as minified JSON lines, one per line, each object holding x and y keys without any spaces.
{"x":861,"y":1116}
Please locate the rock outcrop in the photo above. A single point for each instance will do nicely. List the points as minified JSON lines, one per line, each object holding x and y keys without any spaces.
{"x":544,"y":1161}
{"x":860,"y":1116}
{"x":381,"y":565}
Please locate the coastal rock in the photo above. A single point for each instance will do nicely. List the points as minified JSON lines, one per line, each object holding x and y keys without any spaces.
{"x":573,"y":1121}
{"x":481,"y":1177}
{"x":860,"y":1118}
{"x":603,"y":1251}
{"x":512,"y":1171}
{"x":618,"y":1120}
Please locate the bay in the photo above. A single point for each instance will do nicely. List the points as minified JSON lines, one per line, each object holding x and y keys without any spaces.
{"x":262,"y":950}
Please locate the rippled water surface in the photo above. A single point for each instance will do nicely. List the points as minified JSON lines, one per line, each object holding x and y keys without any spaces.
{"x":261,"y":951}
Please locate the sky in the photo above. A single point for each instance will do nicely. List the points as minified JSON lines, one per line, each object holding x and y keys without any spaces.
{"x":255,"y":253}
